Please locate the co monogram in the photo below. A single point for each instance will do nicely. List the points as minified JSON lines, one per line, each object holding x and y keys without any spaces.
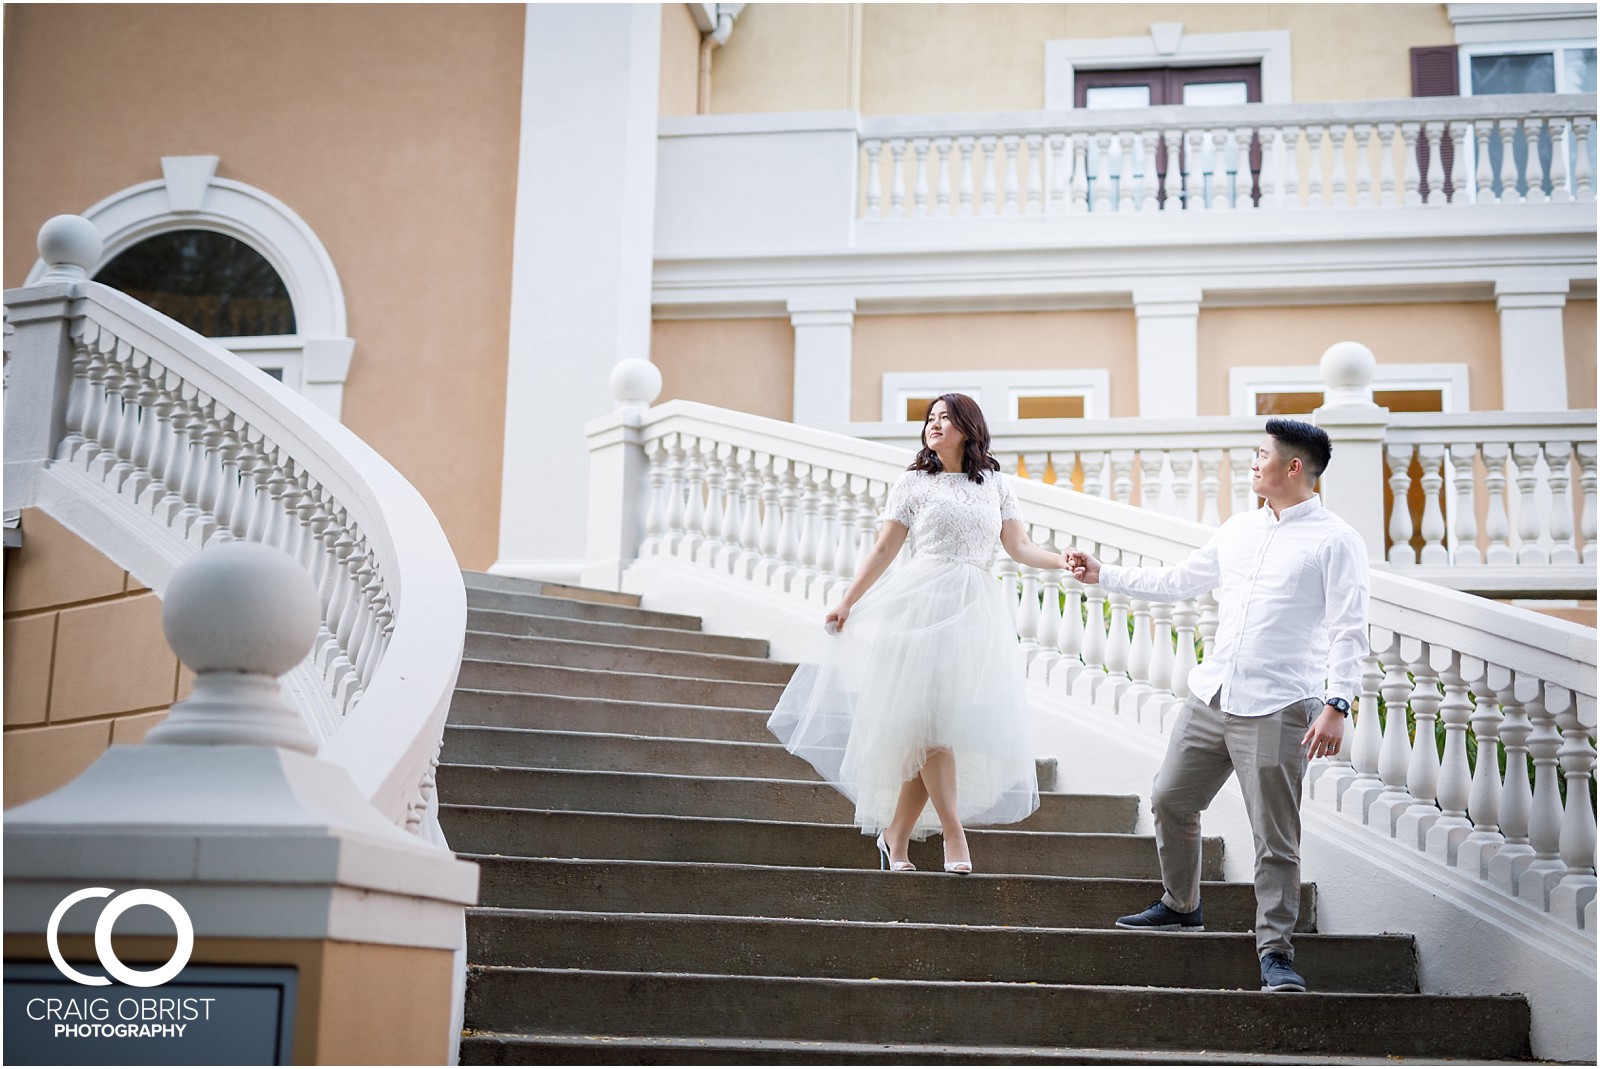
{"x":119,"y":905}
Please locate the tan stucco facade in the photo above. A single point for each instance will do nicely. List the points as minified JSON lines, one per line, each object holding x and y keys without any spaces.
{"x":680,"y":60}
{"x":1578,"y":331}
{"x":391,"y":130}
{"x":86,"y":663}
{"x":743,"y":364}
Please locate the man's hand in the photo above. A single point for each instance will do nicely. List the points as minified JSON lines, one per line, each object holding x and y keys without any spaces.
{"x":1084,"y":568}
{"x":1325,"y":734}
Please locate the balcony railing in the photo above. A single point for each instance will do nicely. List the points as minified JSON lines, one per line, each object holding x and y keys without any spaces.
{"x":1428,"y":152}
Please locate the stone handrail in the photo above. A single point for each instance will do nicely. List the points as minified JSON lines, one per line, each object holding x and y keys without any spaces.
{"x":152,"y":442}
{"x":1267,"y":157}
{"x":792,"y":509}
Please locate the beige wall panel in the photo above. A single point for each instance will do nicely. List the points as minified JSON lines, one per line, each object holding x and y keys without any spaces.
{"x":784,"y":57}
{"x":680,"y":60}
{"x":993,"y":340}
{"x":743,"y":364}
{"x":919,"y":58}
{"x":1578,"y":328}
{"x":56,"y":567}
{"x":111,"y":658}
{"x":401,"y":996}
{"x":1359,"y":51}
{"x":30,"y":642}
{"x":40,"y":760}
{"x":392,"y":130}
{"x":130,"y":730}
{"x":1467,"y":333}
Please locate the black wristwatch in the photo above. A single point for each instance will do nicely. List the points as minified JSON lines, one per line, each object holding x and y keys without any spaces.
{"x":1340,"y":704}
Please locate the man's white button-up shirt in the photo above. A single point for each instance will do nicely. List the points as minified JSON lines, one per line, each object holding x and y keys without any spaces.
{"x":1292,"y":606}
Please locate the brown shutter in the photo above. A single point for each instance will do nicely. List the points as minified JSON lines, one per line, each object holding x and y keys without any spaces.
{"x":1435,"y":71}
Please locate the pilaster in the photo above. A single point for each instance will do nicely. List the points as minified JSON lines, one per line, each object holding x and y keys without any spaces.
{"x":1169,"y":351}
{"x":824,"y":335}
{"x":1533,"y":356}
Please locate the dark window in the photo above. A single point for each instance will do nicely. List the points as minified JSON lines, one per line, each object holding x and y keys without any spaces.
{"x":213,"y":284}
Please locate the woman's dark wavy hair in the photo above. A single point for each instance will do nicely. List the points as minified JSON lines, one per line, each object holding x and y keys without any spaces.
{"x":968,"y":418}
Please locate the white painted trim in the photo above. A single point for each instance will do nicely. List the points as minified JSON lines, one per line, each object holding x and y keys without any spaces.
{"x":1270,"y":48}
{"x":1465,"y":54}
{"x":189,"y":196}
{"x":997,"y":392}
{"x":1502,"y":23}
{"x":1451,"y":380}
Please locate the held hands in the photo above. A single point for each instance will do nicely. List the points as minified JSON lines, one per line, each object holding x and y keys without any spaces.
{"x":1084,"y":568}
{"x":1325,"y":734}
{"x":833,"y":623}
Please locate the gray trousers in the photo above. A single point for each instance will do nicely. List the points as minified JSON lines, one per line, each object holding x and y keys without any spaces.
{"x":1265,"y":752}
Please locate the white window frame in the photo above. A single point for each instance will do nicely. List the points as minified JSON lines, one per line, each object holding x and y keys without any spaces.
{"x":1168,"y":46}
{"x":1245,"y":384}
{"x":997,"y":392}
{"x":1466,"y":52}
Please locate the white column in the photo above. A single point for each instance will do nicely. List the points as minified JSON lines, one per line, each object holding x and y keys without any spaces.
{"x":1533,"y":357}
{"x":824,"y":337}
{"x":1169,"y":351}
{"x":582,"y":261}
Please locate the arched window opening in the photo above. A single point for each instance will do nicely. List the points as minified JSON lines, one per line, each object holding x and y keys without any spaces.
{"x":213,"y":284}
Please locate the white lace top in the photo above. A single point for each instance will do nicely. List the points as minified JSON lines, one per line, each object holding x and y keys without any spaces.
{"x":950,"y":516}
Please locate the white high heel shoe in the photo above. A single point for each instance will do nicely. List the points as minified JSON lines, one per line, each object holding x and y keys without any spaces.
{"x":961,"y":867}
{"x":885,"y":863}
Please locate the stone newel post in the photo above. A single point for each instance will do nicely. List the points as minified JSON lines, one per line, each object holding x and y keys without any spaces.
{"x":1353,"y":483}
{"x":617,"y":470}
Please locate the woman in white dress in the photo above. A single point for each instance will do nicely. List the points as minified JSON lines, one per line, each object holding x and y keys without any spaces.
{"x":916,"y":695}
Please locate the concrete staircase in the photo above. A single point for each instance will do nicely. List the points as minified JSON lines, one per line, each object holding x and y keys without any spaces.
{"x":663,"y":883}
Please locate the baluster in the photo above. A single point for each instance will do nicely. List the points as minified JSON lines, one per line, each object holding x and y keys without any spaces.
{"x":1194,"y":192}
{"x":1482,"y":131}
{"x":1028,"y":611}
{"x":1182,"y":470}
{"x":1460,"y":140}
{"x":77,"y":394}
{"x":1072,"y":634}
{"x":1271,"y":168}
{"x":175,"y":452}
{"x":128,"y":423}
{"x":941,"y":201}
{"x":1035,"y":463}
{"x":1011,"y":142}
{"x":1122,"y":146}
{"x":1102,"y":171}
{"x":1525,"y":456}
{"x":228,"y":493}
{"x":987,"y":204}
{"x":1337,"y":135}
{"x":828,"y":536}
{"x":1059,"y":166}
{"x":1575,"y":893}
{"x":1535,"y":128}
{"x":1558,"y":458}
{"x":1409,"y":132}
{"x":1147,"y":170}
{"x":1544,"y":869}
{"x":1243,"y":496}
{"x":1435,"y":135}
{"x":1363,"y":136}
{"x":1185,"y":615}
{"x":1119,"y":649}
{"x":1208,"y":623}
{"x":1386,"y":179}
{"x":1394,"y":753}
{"x":919,"y":190}
{"x":1582,"y":173}
{"x":1422,"y":774}
{"x":247,"y":500}
{"x":1433,"y":531}
{"x":1080,"y":173}
{"x":711,"y":541}
{"x":1586,"y":484}
{"x":808,"y":533}
{"x":1559,"y":139}
{"x":694,"y":513}
{"x":146,"y":393}
{"x":1291,"y":167}
{"x":1314,"y":196}
{"x":1401,"y":553}
{"x":873,"y":498}
{"x":771,"y":520}
{"x":732,"y":509}
{"x":211,"y":436}
{"x":1035,"y":174}
{"x":1509,"y":191}
{"x":1496,"y":525}
{"x":1366,"y":745}
{"x":1049,"y":617}
{"x":1505,"y":869}
{"x":1092,"y":461}
{"x":965,"y":144}
{"x":1173,"y":184}
{"x":1210,"y":486}
{"x":897,"y":178}
{"x":1244,"y":179}
{"x":94,"y":370}
{"x":1140,"y":653}
{"x":750,"y":527}
{"x":1463,"y":458}
{"x":1151,"y":462}
{"x":111,"y":418}
{"x":788,"y":551}
{"x":655,"y":513}
{"x":844,"y":543}
{"x":1483,"y":804}
{"x":1094,"y":630}
{"x":1009,"y":573}
{"x":1122,"y":475}
{"x":194,"y":465}
{"x":675,"y":504}
{"x":1221,"y":194}
{"x":1455,"y":774}
{"x":874,"y":148}
{"x":1162,"y":661}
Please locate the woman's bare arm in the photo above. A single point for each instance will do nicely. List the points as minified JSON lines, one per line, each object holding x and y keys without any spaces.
{"x":1020,"y":548}
{"x":891,"y":536}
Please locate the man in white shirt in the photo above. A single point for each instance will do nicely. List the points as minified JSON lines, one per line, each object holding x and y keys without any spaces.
{"x":1291,"y":582}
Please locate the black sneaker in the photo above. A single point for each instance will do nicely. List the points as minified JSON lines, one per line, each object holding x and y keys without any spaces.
{"x":1277,"y":974}
{"x":1161,"y":918}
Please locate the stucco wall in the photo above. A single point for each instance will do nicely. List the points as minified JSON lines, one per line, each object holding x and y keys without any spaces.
{"x":1578,"y":330}
{"x":86,"y":663}
{"x":392,"y":130}
{"x":742,"y":364}
{"x":680,"y":60}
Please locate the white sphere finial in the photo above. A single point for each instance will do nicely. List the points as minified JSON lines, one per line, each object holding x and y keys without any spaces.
{"x":635,"y":383}
{"x":1348,"y":368}
{"x":239,"y":614}
{"x":70,"y":246}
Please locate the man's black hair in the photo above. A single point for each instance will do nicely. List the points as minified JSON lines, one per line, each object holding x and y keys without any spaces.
{"x":1304,"y":440}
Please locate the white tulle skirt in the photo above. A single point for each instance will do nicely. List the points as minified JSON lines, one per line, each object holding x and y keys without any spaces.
{"x":928,"y":660}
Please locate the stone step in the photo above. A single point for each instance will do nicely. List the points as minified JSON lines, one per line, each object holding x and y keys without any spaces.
{"x":712,"y":796}
{"x":767,"y":946}
{"x":548,"y":1048}
{"x":627,"y":686}
{"x":542,"y":605}
{"x":740,"y":890}
{"x":978,"y":1013}
{"x":666,"y":638}
{"x":625,"y":836}
{"x":608,"y":656}
{"x":485,"y":581}
{"x":466,"y":744}
{"x":560,"y":712}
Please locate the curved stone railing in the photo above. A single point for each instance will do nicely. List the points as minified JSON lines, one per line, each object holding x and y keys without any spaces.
{"x":152,"y":442}
{"x":792,"y":509}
